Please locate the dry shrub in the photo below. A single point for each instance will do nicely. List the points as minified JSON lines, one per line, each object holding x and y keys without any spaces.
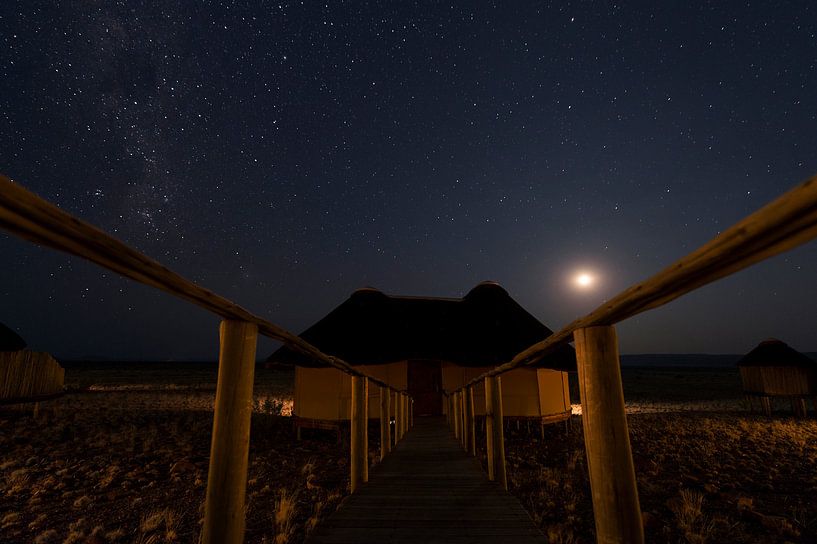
{"x":561,"y":534}
{"x":17,"y":481}
{"x":160,"y":524}
{"x":47,"y":537}
{"x":284,"y":516}
{"x":12,"y":518}
{"x":688,"y":510}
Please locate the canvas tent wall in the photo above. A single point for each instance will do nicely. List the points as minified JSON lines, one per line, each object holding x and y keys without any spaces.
{"x":396,"y":336}
{"x":526,"y":392}
{"x":326,"y":393}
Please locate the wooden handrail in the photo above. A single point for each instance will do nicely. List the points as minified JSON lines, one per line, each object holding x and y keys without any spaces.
{"x":783,"y":224}
{"x":35,"y":219}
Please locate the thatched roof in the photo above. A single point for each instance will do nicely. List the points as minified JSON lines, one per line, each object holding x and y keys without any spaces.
{"x":485,"y":328}
{"x":10,"y":340}
{"x":773,"y":352}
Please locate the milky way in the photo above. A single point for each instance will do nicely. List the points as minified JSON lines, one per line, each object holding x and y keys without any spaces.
{"x":286,"y":155}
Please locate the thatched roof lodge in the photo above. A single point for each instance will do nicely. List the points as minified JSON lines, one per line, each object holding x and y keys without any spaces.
{"x":773,"y":369}
{"x":428,"y":346}
{"x":26,"y":375}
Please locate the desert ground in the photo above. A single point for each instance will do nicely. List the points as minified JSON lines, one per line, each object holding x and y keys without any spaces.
{"x":123,"y":458}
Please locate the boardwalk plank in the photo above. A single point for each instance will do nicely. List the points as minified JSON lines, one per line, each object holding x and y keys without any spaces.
{"x":428,"y":490}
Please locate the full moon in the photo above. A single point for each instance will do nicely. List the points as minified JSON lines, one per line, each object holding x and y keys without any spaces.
{"x":583,"y":280}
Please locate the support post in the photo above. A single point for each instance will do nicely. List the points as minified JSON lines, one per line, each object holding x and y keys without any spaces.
{"x":229,"y":448}
{"x":385,"y":422}
{"x":469,"y":417}
{"x":799,"y":406}
{"x":606,"y":437}
{"x":405,"y":414}
{"x":455,"y":401}
{"x":401,"y":424}
{"x":500,"y":474}
{"x":396,"y":431}
{"x":359,"y":441}
{"x":464,"y":414}
{"x":489,"y":426}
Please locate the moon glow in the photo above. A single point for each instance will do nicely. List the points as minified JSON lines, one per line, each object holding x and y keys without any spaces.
{"x":584,"y":280}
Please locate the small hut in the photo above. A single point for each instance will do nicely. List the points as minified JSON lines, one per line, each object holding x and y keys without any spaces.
{"x":26,"y":376}
{"x":773,"y":369}
{"x":428,"y":346}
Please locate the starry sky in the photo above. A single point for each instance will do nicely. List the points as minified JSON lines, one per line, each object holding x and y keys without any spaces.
{"x":285,"y":154}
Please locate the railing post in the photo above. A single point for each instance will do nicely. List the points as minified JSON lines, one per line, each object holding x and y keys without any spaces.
{"x":385,"y":422}
{"x":464,"y":420}
{"x":498,"y":431}
{"x":455,"y":401}
{"x":229,"y":449}
{"x":401,"y":414}
{"x":359,"y":439}
{"x":407,"y":413}
{"x":489,"y":426}
{"x":469,"y":417}
{"x":606,"y":438}
{"x":396,"y":431}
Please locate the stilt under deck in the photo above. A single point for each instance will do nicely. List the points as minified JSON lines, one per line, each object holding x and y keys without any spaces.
{"x":429,"y":490}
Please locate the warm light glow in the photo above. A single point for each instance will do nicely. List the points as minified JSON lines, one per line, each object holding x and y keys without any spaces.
{"x":584,"y":280}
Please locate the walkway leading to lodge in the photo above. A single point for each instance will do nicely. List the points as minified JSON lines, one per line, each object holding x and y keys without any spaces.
{"x":428,"y":490}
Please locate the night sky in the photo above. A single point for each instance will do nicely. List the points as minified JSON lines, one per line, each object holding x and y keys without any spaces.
{"x":284,"y":155}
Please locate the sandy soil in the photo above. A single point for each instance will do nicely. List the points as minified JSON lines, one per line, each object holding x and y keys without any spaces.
{"x":125,"y":460}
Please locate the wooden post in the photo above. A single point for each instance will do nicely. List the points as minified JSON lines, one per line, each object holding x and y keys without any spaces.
{"x":469,"y":417}
{"x":498,"y":434}
{"x":489,"y":426}
{"x":394,"y":435}
{"x":405,"y":414}
{"x":606,"y":438}
{"x":766,"y":404}
{"x":365,"y":429}
{"x":229,"y":448}
{"x":359,"y":454}
{"x":799,"y":406}
{"x":398,"y":422}
{"x":402,"y":400}
{"x":411,"y":413}
{"x":455,"y":402}
{"x":385,"y":422}
{"x":463,"y":425}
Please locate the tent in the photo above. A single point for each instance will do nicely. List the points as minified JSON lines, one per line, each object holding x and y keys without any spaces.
{"x":773,"y":369}
{"x":428,"y":346}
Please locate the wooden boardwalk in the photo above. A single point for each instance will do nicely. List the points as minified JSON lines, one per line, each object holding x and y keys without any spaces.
{"x":428,"y":490}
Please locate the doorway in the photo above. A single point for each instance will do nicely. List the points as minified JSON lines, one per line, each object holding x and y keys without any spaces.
{"x":425,"y":385}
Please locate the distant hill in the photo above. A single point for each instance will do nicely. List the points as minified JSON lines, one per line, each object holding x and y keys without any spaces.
{"x":680,"y":359}
{"x":686,"y":359}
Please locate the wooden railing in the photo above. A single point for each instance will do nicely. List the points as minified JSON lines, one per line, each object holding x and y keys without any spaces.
{"x":784,"y":224}
{"x":30,"y":217}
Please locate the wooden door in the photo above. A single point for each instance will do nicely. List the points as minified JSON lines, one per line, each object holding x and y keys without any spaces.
{"x":425,"y":381}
